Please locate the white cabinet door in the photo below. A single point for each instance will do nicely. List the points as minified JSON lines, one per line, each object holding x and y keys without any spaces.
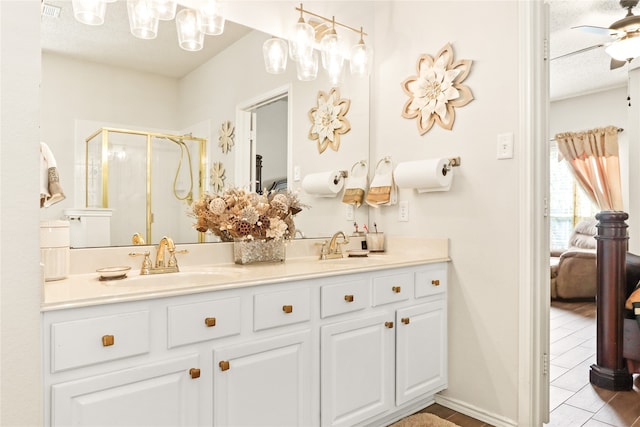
{"x":421,"y":345}
{"x":357,"y":368}
{"x":264,"y":383}
{"x":159,"y":394}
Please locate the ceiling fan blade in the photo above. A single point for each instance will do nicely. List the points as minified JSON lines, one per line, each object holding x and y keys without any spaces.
{"x":575,"y":52}
{"x":616,"y":64}
{"x":593,"y":29}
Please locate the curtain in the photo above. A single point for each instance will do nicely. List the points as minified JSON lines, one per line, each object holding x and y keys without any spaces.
{"x":593,"y":159}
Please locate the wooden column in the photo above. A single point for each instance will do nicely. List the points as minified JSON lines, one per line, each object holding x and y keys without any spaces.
{"x":610,"y":371}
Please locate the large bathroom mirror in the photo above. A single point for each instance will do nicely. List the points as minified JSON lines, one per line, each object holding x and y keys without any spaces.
{"x":95,"y":77}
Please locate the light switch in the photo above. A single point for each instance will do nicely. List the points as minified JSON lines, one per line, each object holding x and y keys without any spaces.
{"x":350,"y":213}
{"x":505,"y":146}
{"x":296,"y":173}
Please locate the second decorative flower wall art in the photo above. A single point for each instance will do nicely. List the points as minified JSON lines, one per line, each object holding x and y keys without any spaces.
{"x":226,"y":136}
{"x":328,"y":120}
{"x":437,"y":90}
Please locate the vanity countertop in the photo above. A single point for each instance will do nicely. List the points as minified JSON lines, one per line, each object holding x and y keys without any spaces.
{"x":85,"y":289}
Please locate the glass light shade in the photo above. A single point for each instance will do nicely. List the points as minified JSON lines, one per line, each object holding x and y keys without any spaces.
{"x":274,"y":51}
{"x":331,"y":48}
{"x":626,"y":48}
{"x":211,"y":18}
{"x":301,"y":45}
{"x":190,"y":35}
{"x":90,"y":12}
{"x":142,"y":21}
{"x":165,"y":10}
{"x":307,"y":67}
{"x":361,"y":60}
{"x":335,"y":73}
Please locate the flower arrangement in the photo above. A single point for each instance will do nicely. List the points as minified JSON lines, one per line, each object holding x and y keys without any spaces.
{"x":240,"y":214}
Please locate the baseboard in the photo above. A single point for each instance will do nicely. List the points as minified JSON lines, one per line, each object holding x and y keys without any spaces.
{"x":474,"y":412}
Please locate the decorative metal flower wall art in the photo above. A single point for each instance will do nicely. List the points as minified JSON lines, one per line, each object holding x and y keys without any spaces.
{"x":217,"y":177}
{"x":437,"y":90}
{"x":328,"y":120}
{"x":226,"y":136}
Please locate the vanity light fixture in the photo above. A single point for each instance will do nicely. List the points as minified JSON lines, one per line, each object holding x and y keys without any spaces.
{"x":307,"y":67}
{"x":332,"y":50}
{"x":90,"y":12}
{"x":144,"y":16}
{"x":275,"y":52}
{"x":190,"y":35}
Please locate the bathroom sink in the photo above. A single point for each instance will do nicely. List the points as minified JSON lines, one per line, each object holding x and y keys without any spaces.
{"x":201,"y":277}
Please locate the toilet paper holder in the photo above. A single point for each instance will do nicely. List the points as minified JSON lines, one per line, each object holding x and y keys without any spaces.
{"x":341,"y":175}
{"x":453,"y":162}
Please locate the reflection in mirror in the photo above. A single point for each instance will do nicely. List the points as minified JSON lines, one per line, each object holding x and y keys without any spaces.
{"x":87,"y":84}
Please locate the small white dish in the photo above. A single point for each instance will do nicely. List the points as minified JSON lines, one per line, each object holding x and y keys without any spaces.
{"x":111,"y":273}
{"x":357,"y":253}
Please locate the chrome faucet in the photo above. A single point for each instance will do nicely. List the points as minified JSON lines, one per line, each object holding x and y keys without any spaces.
{"x":334,"y":250}
{"x":171,"y":266}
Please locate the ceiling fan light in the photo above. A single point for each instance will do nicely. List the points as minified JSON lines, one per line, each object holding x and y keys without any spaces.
{"x":90,"y":12}
{"x":211,"y":18}
{"x":275,"y":52}
{"x":142,"y":20}
{"x":190,"y":35}
{"x":626,"y":48}
{"x":164,"y":9}
{"x":301,"y":45}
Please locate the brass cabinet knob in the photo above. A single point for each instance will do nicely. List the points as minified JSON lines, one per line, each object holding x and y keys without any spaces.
{"x":210,"y":321}
{"x":224,"y":365}
{"x":435,"y":282}
{"x":396,"y":289}
{"x":348,"y":298}
{"x":405,"y":320}
{"x":287,"y":308}
{"x":194,"y":372}
{"x":388,"y":324}
{"x":107,"y":340}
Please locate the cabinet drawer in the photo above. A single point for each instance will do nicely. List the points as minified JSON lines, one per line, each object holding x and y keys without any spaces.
{"x":344,"y":297}
{"x":281,"y":308}
{"x":392,"y":288}
{"x":98,"y":339}
{"x":431,"y":281}
{"x":206,"y":320}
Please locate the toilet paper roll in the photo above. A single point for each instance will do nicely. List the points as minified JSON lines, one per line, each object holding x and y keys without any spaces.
{"x":424,"y":175}
{"x":323,"y":184}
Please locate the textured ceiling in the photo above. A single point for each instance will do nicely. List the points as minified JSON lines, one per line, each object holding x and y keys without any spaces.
{"x":112,"y":43}
{"x":587,"y":71}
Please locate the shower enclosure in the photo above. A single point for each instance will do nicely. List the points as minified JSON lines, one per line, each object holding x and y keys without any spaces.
{"x":148,"y":179}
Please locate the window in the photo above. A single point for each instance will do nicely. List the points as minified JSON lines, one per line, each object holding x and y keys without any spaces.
{"x":568,"y":202}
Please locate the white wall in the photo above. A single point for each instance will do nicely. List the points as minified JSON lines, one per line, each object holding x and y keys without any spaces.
{"x":479,"y":213}
{"x":20,"y":277}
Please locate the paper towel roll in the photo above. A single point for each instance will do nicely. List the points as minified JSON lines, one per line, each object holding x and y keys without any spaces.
{"x":424,"y":175}
{"x":323,"y":184}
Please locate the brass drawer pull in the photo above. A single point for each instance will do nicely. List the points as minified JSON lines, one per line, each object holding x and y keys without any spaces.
{"x":224,"y":365}
{"x":210,"y":321}
{"x":396,"y":289}
{"x":195,"y":373}
{"x":405,"y":320}
{"x":107,"y":340}
{"x":388,"y":324}
{"x":348,"y":298}
{"x":287,"y":308}
{"x":435,"y":282}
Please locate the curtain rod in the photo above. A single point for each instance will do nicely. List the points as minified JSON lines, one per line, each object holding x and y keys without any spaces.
{"x":619,"y":130}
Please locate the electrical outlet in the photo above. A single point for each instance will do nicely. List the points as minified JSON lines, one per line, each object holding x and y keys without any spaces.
{"x":505,"y":146}
{"x":349,"y":213}
{"x":403,"y":211}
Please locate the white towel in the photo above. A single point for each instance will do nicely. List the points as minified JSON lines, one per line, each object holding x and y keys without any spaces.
{"x":356,"y":185}
{"x":383,"y":191}
{"x":50,"y":188}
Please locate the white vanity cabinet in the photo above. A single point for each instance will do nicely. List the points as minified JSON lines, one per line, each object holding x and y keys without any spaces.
{"x":362,"y":348}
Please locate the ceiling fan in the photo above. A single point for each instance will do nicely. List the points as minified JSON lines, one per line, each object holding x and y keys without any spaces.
{"x":625,"y":33}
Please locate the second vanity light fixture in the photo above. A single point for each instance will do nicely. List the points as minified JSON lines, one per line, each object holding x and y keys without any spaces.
{"x":301,"y":50}
{"x":144,"y":15}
